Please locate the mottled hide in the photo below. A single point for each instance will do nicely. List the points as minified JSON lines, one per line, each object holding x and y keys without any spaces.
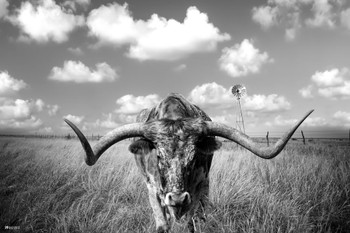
{"x":176,"y":159}
{"x":173,"y":147}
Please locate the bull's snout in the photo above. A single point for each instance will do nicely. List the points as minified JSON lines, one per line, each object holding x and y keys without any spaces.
{"x":177,"y":199}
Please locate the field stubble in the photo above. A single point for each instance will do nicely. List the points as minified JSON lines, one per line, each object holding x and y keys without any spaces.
{"x":46,"y":187}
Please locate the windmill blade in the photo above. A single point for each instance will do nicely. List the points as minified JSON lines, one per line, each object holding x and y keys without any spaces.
{"x":239,"y":91}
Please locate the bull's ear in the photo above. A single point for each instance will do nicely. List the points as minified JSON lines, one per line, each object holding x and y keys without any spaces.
{"x":141,"y":146}
{"x":208,"y":145}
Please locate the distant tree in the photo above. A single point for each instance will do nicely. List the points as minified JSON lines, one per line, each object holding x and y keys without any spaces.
{"x":68,"y":137}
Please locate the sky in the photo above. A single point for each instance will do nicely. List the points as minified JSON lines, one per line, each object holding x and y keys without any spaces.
{"x":98,"y":63}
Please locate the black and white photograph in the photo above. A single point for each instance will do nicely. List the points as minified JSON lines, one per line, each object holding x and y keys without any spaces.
{"x":198,"y":116}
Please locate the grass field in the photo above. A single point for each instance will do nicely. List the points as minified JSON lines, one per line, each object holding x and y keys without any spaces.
{"x":46,"y":187}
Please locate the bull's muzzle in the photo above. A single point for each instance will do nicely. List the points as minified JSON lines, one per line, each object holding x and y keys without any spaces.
{"x":177,"y":199}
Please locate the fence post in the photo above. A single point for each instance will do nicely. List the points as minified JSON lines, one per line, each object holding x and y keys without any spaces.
{"x":267,"y":138}
{"x":302,"y":134}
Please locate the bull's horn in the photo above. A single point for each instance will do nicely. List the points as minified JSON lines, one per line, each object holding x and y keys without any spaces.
{"x":114,"y":136}
{"x":221,"y":130}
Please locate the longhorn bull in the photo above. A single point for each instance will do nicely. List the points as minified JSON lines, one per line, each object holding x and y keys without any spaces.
{"x":173,"y":148}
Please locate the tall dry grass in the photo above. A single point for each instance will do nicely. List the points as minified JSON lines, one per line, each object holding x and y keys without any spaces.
{"x":46,"y":187}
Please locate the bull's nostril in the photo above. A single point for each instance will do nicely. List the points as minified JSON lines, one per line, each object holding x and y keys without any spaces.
{"x":185,"y":199}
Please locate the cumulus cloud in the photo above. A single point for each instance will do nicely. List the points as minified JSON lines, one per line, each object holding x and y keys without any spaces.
{"x":53,"y":109}
{"x":18,"y":114}
{"x":306,"y":92}
{"x":243,"y":59}
{"x":280,"y":121}
{"x":329,"y":77}
{"x":211,"y":95}
{"x":10,"y":85}
{"x":76,"y":71}
{"x":76,"y":51}
{"x":12,"y":125}
{"x":76,"y":3}
{"x":333,"y":84}
{"x":3,"y":8}
{"x":263,"y":103}
{"x":129,"y":104}
{"x":345,"y":18}
{"x":157,"y":38}
{"x":180,"y":67}
{"x":316,"y":122}
{"x":266,"y":16}
{"x":343,"y":118}
{"x":45,"y":21}
{"x":323,"y":14}
{"x":294,"y":14}
{"x":74,"y":119}
{"x":336,"y":92}
{"x":108,"y":122}
{"x":19,"y":109}
{"x":310,"y":121}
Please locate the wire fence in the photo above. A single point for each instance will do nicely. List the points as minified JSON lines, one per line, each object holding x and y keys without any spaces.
{"x":308,"y":134}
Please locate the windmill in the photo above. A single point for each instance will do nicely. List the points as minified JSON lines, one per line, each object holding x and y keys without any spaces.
{"x":239,"y":91}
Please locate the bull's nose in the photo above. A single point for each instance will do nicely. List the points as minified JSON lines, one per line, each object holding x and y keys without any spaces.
{"x":177,"y":199}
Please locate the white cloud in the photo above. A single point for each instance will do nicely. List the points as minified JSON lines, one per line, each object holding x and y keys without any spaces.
{"x":45,"y":130}
{"x":108,"y":122}
{"x":225,"y":118}
{"x":74,"y":4}
{"x":10,"y":85}
{"x":263,"y":103}
{"x":39,"y":104}
{"x":25,"y":125}
{"x":345,"y":18}
{"x":333,"y":84}
{"x":45,"y":21}
{"x":129,"y":104}
{"x":342,"y":118}
{"x":3,"y":8}
{"x":280,"y":121}
{"x":211,"y":95}
{"x":73,"y":71}
{"x":15,"y":109}
{"x":83,"y":2}
{"x":266,"y":16}
{"x":242,"y":59}
{"x":74,"y":119}
{"x":291,"y":15}
{"x":53,"y":110}
{"x":316,"y":122}
{"x":180,"y":67}
{"x":157,"y":38}
{"x":76,"y":51}
{"x":306,"y":92}
{"x":126,"y":118}
{"x":215,"y":96}
{"x":19,"y":114}
{"x":329,"y":77}
{"x":310,"y":121}
{"x":323,"y":15}
{"x":336,"y":92}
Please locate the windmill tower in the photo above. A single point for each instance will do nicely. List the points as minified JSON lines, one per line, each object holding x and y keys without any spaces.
{"x":239,"y":91}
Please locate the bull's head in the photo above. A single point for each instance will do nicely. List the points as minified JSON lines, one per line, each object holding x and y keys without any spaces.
{"x":173,"y":159}
{"x":169,"y":150}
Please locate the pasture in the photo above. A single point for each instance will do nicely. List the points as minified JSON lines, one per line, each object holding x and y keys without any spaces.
{"x":46,"y":187}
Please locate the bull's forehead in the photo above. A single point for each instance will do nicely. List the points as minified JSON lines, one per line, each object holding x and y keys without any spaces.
{"x":175,"y":138}
{"x":175,"y":133}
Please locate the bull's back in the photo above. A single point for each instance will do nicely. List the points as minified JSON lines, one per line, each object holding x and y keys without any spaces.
{"x":173,"y":107}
